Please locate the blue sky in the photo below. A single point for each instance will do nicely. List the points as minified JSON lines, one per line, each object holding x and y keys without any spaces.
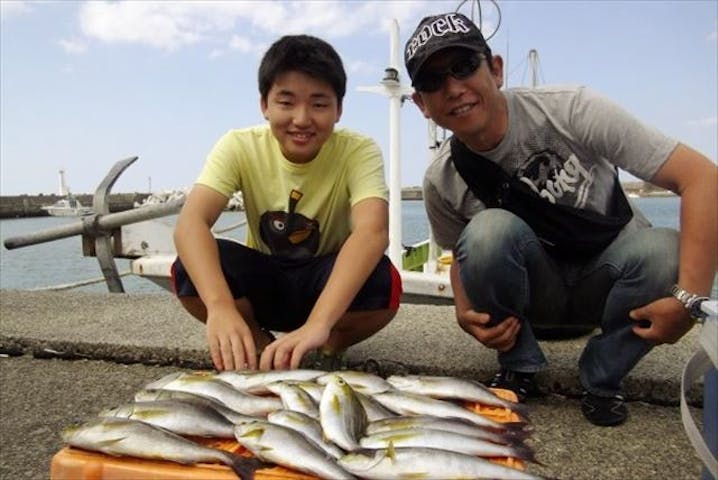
{"x":84,"y":84}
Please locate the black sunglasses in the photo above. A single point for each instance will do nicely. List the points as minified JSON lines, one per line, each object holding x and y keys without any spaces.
{"x":461,"y":69}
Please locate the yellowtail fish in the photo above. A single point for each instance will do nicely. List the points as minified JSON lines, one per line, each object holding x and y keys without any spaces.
{"x":256,"y":381}
{"x":341,"y":414}
{"x":307,"y":426}
{"x":294,"y":398}
{"x":289,"y":448}
{"x":425,"y":463}
{"x":158,"y":394}
{"x":456,"y":425}
{"x":176,"y":416}
{"x":455,"y":442}
{"x":211,"y":386}
{"x":132,"y":438}
{"x":406,"y":403}
{"x":361,"y":382}
{"x":374,"y":410}
{"x":453,"y":388}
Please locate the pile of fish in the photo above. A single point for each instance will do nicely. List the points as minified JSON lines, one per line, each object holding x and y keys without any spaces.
{"x":335,"y":425}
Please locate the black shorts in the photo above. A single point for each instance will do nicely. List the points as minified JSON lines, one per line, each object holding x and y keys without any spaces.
{"x":283,"y":291}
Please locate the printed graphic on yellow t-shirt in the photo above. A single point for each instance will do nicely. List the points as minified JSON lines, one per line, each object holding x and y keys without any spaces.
{"x":290,"y":234}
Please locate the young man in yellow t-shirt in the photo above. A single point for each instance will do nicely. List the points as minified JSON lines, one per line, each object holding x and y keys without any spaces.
{"x":317,"y":217}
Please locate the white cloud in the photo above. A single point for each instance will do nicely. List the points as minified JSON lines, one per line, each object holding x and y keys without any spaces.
{"x":73,"y":46}
{"x":713,"y":36}
{"x":170,"y":25}
{"x":10,"y":8}
{"x":704,"y":122}
{"x":361,"y":67}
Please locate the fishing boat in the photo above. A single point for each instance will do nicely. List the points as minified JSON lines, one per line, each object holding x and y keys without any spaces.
{"x":68,"y":206}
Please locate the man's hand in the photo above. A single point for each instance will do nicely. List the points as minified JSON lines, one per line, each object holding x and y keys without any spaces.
{"x":667,"y":320}
{"x":287,"y":351}
{"x":230,"y":340}
{"x":501,"y":337}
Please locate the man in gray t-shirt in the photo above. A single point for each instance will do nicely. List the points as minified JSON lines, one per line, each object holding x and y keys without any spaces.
{"x":511,"y":280}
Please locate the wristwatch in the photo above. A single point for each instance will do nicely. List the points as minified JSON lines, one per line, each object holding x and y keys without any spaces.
{"x":691,"y":301}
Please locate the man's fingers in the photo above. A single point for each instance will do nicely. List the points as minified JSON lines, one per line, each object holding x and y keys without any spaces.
{"x":267,"y":357}
{"x":250,"y":353}
{"x":216,"y":355}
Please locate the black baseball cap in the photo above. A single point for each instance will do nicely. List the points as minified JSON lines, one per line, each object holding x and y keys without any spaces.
{"x":438,"y":32}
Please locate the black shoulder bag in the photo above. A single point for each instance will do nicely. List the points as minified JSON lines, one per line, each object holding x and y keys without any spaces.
{"x":566,"y":232}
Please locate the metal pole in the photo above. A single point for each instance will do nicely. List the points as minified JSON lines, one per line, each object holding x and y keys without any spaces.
{"x":395,"y":234}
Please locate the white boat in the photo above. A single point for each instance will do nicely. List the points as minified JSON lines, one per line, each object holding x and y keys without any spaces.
{"x":67,"y":207}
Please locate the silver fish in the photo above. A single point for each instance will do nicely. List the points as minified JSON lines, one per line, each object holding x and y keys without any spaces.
{"x":124,"y":437}
{"x":453,"y":388}
{"x":294,"y":398}
{"x":455,"y":442}
{"x":341,"y":414}
{"x":289,"y":448}
{"x":158,"y":394}
{"x":374,"y":410}
{"x":211,"y":386}
{"x":426,"y":463}
{"x":312,"y":388}
{"x":176,"y":416}
{"x":307,"y":426}
{"x":456,"y":425}
{"x":256,"y":381}
{"x":406,"y":403}
{"x":362,"y":382}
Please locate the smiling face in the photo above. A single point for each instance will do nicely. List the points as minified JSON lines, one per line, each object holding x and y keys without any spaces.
{"x":472,"y":107}
{"x":302,"y":111}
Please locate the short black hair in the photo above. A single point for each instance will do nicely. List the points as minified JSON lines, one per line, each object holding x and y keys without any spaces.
{"x":303,"y":53}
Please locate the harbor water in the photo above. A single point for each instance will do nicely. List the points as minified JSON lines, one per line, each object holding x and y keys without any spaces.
{"x":61,"y":261}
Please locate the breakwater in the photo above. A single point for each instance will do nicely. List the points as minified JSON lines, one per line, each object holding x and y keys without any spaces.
{"x":15,"y":206}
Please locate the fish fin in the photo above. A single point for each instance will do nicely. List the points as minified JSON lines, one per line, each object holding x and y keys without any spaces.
{"x":524,"y":452}
{"x":109,"y":442}
{"x":391,"y":452}
{"x":245,"y":467}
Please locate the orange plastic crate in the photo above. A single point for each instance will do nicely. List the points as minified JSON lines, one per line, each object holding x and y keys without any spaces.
{"x":75,"y":464}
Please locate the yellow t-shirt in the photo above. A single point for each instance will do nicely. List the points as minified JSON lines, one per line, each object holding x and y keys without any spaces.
{"x":296,"y":210}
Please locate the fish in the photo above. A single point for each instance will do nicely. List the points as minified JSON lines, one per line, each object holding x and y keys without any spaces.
{"x":176,"y":416}
{"x":145,"y":395}
{"x":294,"y":398}
{"x":256,"y":381}
{"x":211,"y":386}
{"x":312,"y":388}
{"x":307,"y":426}
{"x":454,"y":388}
{"x":125,"y":437}
{"x":362,"y":382}
{"x":425,"y":463}
{"x":455,"y":442}
{"x":374,"y":410}
{"x":288,"y":448}
{"x":405,"y":403}
{"x":456,"y":425}
{"x":341,"y":414}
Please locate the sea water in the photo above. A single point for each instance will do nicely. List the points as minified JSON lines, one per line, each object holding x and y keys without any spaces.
{"x":61,"y":261}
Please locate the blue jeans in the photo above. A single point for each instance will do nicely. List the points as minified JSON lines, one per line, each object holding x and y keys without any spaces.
{"x":506,"y":272}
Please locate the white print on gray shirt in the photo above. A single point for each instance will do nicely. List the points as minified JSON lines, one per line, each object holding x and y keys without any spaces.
{"x":558,"y":179}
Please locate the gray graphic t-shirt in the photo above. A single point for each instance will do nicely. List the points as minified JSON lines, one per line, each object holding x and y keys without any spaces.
{"x":565,"y":143}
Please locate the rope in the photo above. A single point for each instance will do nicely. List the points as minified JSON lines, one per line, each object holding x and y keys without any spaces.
{"x":82,"y":283}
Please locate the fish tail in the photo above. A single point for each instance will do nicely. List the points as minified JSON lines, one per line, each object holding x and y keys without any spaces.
{"x":524,"y":452}
{"x":246,"y":467}
{"x":519,"y":408}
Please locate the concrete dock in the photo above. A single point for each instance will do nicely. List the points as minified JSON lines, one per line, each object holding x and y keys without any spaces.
{"x":66,"y":355}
